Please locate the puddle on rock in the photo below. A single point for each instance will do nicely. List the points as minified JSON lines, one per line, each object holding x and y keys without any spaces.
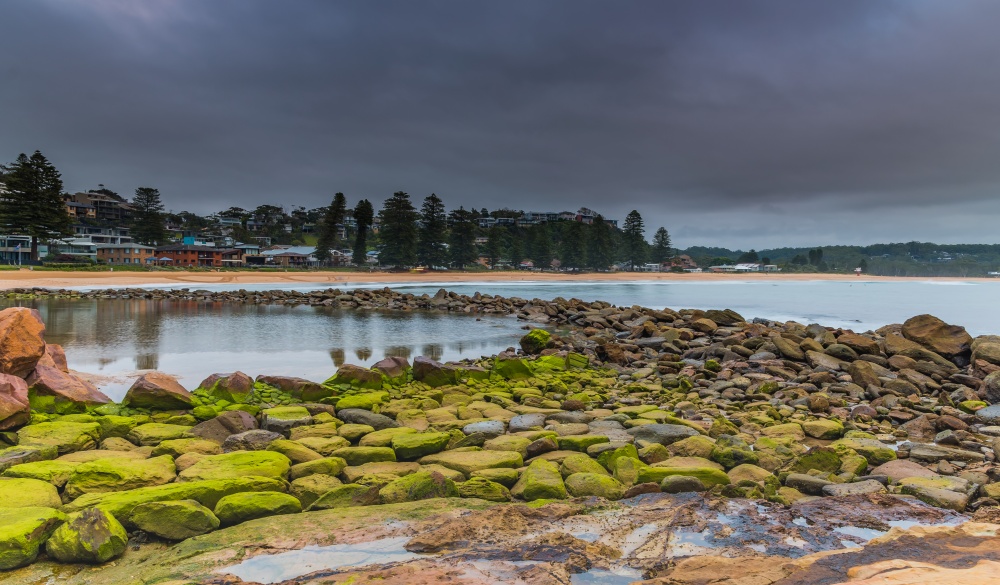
{"x":289,"y":565}
{"x":617,"y":576}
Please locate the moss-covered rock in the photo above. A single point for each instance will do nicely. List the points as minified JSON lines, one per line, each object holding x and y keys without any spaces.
{"x":308,"y":489}
{"x":177,"y":447}
{"x":233,"y":388}
{"x":207,"y":493}
{"x":347,"y":496}
{"x":357,"y":377}
{"x":422,"y":485}
{"x":54,"y":472}
{"x":730,"y":457}
{"x":115,"y":475}
{"x":28,"y":493}
{"x":237,"y":508}
{"x":504,"y":476}
{"x":511,"y":368}
{"x":580,"y":463}
{"x":875,"y":451}
{"x":535,"y":341}
{"x":324,"y":466}
{"x":362,"y":455}
{"x":23,"y":531}
{"x":294,"y":450}
{"x":354,"y":432}
{"x":174,"y":520}
{"x":470,"y":461}
{"x":708,"y":475}
{"x":238,"y":464}
{"x":579,"y":442}
{"x":282,"y":419}
{"x":384,"y":437}
{"x":91,"y":536}
{"x":66,"y":437}
{"x":370,"y":401}
{"x":594,"y":484}
{"x":541,"y":480}
{"x":627,"y":469}
{"x":823,"y":429}
{"x":508,"y":443}
{"x":325,"y":446}
{"x":155,"y":433}
{"x":484,"y":489}
{"x":416,"y":445}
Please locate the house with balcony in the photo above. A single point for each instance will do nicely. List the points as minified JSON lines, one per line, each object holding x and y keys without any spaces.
{"x":124,"y":254}
{"x":188,"y":255}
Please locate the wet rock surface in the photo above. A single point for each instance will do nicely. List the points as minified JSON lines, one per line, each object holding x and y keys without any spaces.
{"x":631,"y":443}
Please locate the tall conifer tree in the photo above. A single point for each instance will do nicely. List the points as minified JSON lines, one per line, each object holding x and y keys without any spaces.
{"x":33,"y":203}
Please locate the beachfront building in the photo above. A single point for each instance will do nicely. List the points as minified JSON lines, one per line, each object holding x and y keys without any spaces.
{"x":291,"y":256}
{"x":124,"y":254}
{"x":15,"y":250}
{"x":205,"y":256}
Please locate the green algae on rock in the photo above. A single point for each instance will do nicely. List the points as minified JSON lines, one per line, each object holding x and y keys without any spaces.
{"x":241,"y":507}
{"x":174,"y":520}
{"x":90,"y":536}
{"x":23,"y":531}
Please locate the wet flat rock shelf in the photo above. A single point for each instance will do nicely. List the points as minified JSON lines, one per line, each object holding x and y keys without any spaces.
{"x":629,"y":411}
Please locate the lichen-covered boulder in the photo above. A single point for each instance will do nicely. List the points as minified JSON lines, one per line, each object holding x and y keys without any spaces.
{"x":484,"y":489}
{"x":15,"y":410}
{"x":66,"y":437}
{"x":236,"y":387}
{"x":434,"y":373}
{"x":535,"y":341}
{"x":601,"y":485}
{"x":422,"y":485}
{"x":356,"y":376}
{"x":580,"y":463}
{"x":511,"y":368}
{"x":52,"y":390}
{"x":823,"y":429}
{"x":383,"y":437}
{"x":362,"y":455}
{"x":174,"y":520}
{"x":708,"y":475}
{"x":297,"y":388}
{"x":157,"y":391}
{"x":664,"y":434}
{"x":22,"y":341}
{"x":91,"y":536}
{"x":540,"y":481}
{"x":23,"y":531}
{"x":11,"y":456}
{"x":239,"y":508}
{"x":151,"y":434}
{"x":394,"y":368}
{"x":416,"y":445}
{"x":228,"y":423}
{"x":238,"y":464}
{"x":937,"y":336}
{"x":115,"y":475}
{"x":295,"y":451}
{"x":470,"y":461}
{"x":18,"y":492}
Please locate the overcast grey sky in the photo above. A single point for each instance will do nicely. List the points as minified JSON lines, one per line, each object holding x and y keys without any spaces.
{"x":743,"y":124}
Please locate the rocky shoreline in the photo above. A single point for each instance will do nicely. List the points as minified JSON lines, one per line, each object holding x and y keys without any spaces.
{"x":626,"y":410}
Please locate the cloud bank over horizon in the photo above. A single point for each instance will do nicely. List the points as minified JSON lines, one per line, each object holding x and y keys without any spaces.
{"x":744,"y":125}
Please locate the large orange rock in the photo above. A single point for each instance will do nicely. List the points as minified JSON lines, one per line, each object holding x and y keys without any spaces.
{"x":55,"y":357}
{"x":14,"y":407}
{"x":53,"y":390}
{"x":937,"y":336}
{"x":157,"y":391}
{"x":22,"y":340}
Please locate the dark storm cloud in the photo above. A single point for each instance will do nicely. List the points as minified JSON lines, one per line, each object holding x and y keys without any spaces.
{"x":739,"y":123}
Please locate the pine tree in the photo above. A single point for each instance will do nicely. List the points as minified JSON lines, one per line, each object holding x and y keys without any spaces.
{"x":540,"y":245}
{"x":33,"y":204}
{"x":462,"y":250}
{"x":364,"y":215}
{"x":661,"y":246}
{"x":147,"y":217}
{"x":399,"y":231}
{"x":635,"y":239}
{"x":495,"y":245}
{"x":432,"y":248}
{"x":600,"y":245}
{"x":333,"y":218}
{"x":571,"y":248}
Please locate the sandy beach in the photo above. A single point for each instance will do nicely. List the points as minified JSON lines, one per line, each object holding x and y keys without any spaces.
{"x":46,"y":279}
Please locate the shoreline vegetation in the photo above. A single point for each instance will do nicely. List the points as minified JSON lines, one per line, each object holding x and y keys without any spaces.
{"x":60,"y":279}
{"x":803,"y":433}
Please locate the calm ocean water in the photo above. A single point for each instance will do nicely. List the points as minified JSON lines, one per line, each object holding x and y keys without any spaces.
{"x":116,"y":338}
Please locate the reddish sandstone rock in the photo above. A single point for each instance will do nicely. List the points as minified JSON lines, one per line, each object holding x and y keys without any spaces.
{"x":157,"y":391}
{"x":53,"y":390}
{"x":22,"y":341}
{"x":235,"y":387}
{"x":937,"y":336}
{"x":298,"y":388}
{"x":54,"y":357}
{"x":393,"y":367}
{"x":14,"y":408}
